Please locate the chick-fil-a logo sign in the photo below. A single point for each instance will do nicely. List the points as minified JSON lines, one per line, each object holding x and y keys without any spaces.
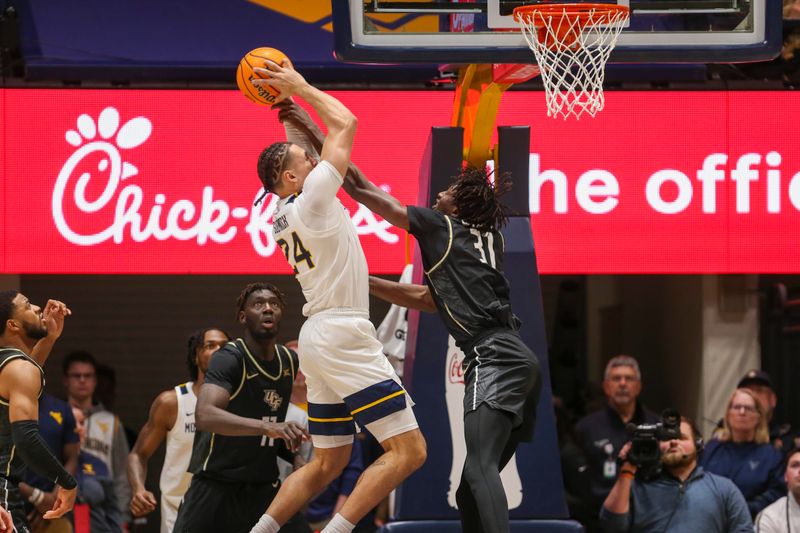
{"x":214,"y":220}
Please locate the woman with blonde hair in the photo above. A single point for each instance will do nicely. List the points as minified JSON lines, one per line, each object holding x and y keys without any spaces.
{"x":741,"y":451}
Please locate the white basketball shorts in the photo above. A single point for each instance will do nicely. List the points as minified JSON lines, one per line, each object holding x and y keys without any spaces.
{"x":350,"y":381}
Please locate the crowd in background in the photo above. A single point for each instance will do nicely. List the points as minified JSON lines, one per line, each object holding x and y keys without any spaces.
{"x":750,"y":448}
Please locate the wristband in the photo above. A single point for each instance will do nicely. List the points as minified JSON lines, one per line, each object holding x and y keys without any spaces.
{"x":36,"y":496}
{"x":630,"y":474}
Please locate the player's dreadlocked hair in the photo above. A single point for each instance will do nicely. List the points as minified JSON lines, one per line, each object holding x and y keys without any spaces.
{"x":271,"y":164}
{"x":258,"y":286}
{"x":478,"y":200}
{"x":195,"y":342}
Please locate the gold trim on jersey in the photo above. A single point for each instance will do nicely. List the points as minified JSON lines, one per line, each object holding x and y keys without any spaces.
{"x":10,"y":460}
{"x":376,"y":402}
{"x":267,"y":374}
{"x":21,"y":355}
{"x":291,"y":361}
{"x":241,"y":383}
{"x":449,"y":246}
{"x":210,"y":449}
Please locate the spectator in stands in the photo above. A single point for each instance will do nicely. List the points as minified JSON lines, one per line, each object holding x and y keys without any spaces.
{"x":791,"y":9}
{"x":742,"y":453}
{"x":682,"y":498}
{"x":96,"y":487}
{"x":783,"y":516}
{"x":57,"y":428}
{"x":602,"y":434}
{"x":760,"y":384}
{"x":105,"y":394}
{"x":105,"y":438}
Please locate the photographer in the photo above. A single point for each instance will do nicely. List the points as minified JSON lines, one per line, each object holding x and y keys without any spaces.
{"x":678,"y":499}
{"x":602,"y":434}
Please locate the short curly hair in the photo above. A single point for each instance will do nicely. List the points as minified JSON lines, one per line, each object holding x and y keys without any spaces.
{"x":258,"y":286}
{"x":271,"y":164}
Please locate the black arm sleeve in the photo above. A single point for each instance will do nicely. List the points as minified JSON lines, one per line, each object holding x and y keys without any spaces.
{"x":34,"y":452}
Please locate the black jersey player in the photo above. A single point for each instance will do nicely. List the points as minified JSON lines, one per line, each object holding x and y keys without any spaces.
{"x":240,"y":422}
{"x":462,"y":253}
{"x":27,"y":334}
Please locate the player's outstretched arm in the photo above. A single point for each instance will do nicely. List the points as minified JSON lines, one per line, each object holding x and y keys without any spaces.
{"x":403,"y":294}
{"x":163,"y":414}
{"x":341,"y":123}
{"x":300,"y":127}
{"x":376,"y":199}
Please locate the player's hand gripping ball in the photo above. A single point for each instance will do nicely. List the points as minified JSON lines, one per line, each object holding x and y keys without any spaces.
{"x":265,"y":94}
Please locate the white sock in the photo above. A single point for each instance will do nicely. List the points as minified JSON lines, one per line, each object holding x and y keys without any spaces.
{"x":266,"y":524}
{"x":338,"y":524}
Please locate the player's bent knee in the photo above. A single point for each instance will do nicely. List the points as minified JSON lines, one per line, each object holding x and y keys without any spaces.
{"x":410,"y":447}
{"x":464,"y":495}
{"x":473,"y":472}
{"x":331,"y":462}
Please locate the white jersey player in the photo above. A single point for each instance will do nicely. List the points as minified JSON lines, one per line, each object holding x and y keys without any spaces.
{"x":349,"y":379}
{"x":172,"y":416}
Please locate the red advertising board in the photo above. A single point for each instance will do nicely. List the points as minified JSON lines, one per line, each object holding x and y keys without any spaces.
{"x":155,"y":181}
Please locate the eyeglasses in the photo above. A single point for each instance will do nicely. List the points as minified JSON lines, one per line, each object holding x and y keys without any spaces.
{"x":741,"y":407}
{"x":619,"y":379}
{"x":79,"y":376}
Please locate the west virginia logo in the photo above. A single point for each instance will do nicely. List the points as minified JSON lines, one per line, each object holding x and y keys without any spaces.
{"x":58,"y":417}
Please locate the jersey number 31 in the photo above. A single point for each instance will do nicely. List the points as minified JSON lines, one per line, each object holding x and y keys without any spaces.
{"x":484,"y":243}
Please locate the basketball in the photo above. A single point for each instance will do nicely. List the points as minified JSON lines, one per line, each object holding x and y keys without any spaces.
{"x":264,"y":95}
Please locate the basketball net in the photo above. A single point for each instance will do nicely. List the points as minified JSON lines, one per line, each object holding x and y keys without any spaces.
{"x":572,"y":43}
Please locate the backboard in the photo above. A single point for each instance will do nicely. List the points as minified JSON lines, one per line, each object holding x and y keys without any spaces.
{"x":483,"y":31}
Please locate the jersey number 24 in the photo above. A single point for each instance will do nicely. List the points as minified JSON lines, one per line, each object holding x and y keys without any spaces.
{"x":299,"y":252}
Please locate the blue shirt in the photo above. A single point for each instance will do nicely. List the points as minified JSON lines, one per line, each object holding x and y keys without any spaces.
{"x":57,"y":427}
{"x":757,"y":469}
{"x":703,"y":503}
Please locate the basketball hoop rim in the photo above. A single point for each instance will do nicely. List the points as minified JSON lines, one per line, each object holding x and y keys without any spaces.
{"x":588,"y":14}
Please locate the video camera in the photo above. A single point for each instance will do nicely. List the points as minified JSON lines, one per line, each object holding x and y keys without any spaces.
{"x":645,"y":450}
